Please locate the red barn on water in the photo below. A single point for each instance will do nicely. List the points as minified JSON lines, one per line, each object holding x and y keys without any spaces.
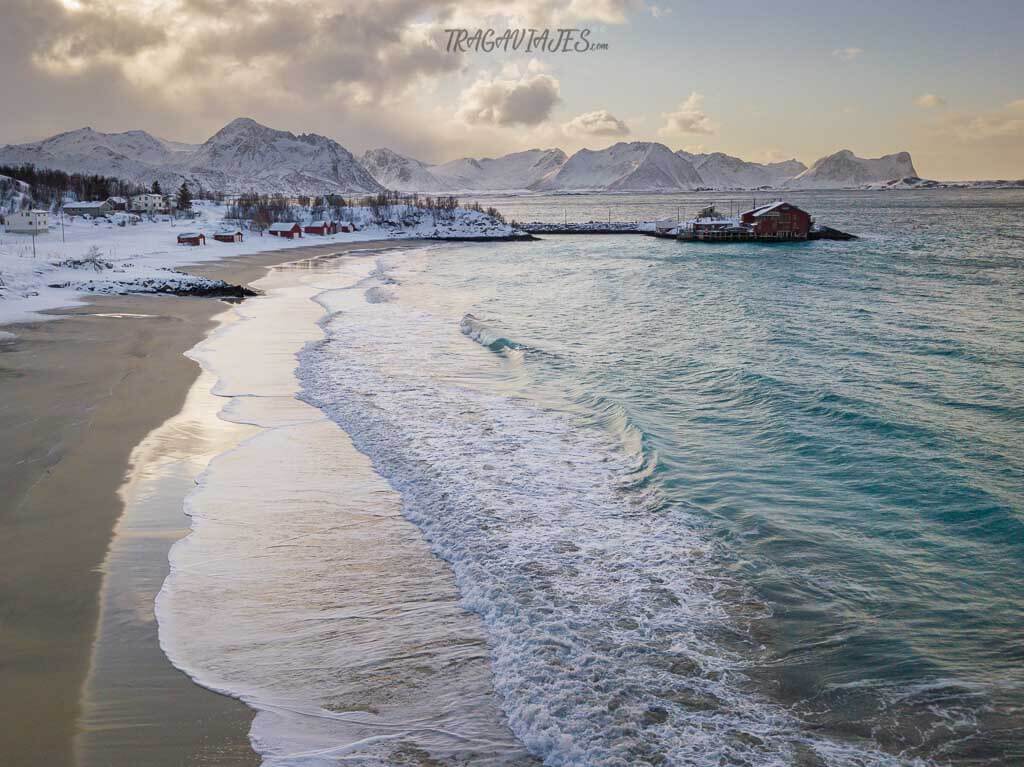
{"x":288,"y":230}
{"x":779,"y":220}
{"x":191,"y":238}
{"x":322,"y":227}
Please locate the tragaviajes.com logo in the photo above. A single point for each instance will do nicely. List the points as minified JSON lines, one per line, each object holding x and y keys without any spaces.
{"x":525,"y":40}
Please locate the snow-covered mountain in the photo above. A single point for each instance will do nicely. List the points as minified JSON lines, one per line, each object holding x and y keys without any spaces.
{"x":133,"y":156}
{"x":516,"y":171}
{"x":404,"y":174}
{"x":722,"y":171}
{"x":624,"y":167}
{"x":844,"y":169}
{"x":245,"y":155}
{"x":780,"y":172}
{"x":242,"y":156}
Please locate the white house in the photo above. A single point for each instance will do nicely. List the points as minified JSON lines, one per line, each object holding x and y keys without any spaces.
{"x":28,"y":222}
{"x":148,"y":203}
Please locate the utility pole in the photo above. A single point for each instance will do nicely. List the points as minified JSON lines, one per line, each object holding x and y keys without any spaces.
{"x":62,"y":237}
{"x":33,"y":241}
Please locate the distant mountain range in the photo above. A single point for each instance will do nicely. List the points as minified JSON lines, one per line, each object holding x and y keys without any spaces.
{"x":246,"y":156}
{"x":242,"y":156}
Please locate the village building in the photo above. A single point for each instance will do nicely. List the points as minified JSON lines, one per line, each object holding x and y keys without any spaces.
{"x":779,"y":220}
{"x":231,"y":235}
{"x":32,"y":221}
{"x":148,"y":203}
{"x":191,"y":238}
{"x":118,"y":203}
{"x":321,"y":227}
{"x":719,"y":229}
{"x":289,"y":230}
{"x":93,"y":209}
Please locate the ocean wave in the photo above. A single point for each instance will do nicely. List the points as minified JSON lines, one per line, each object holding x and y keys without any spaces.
{"x":609,"y":643}
{"x":486,"y":336}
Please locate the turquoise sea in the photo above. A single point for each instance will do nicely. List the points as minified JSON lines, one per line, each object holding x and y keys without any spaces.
{"x":821,"y":444}
{"x":628,"y":501}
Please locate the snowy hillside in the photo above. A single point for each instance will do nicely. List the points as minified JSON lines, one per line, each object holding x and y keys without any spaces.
{"x":781,"y":172}
{"x":516,"y":171}
{"x":14,"y":195}
{"x":722,"y":171}
{"x":133,"y":156}
{"x":243,"y":156}
{"x":400,"y":173}
{"x":637,"y":166}
{"x":844,"y":169}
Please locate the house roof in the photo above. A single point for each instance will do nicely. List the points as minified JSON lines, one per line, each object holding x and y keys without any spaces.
{"x":189,"y":235}
{"x":320,"y":223}
{"x":228,"y":231}
{"x":283,"y":226}
{"x":86,"y":204}
{"x":760,"y":211}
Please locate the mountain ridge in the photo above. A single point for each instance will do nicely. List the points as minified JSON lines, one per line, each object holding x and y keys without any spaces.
{"x":246,"y":156}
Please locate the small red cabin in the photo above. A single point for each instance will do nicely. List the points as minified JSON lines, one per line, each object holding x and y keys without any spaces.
{"x":289,"y":230}
{"x":191,"y":238}
{"x":322,"y":227}
{"x":235,"y":236}
{"x":778,"y":221}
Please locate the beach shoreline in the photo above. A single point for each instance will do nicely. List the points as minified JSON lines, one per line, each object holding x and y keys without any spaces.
{"x":80,"y":392}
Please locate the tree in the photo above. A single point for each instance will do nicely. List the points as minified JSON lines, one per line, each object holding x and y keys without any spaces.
{"x":156,"y":188}
{"x":184,"y":198}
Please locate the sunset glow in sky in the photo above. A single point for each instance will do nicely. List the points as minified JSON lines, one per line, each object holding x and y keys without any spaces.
{"x":764,"y":81}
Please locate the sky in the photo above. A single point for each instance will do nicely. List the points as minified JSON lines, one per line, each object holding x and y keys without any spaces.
{"x":759,"y":80}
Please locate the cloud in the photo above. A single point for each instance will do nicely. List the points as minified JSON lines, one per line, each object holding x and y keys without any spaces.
{"x":688,"y":118}
{"x":771,"y":155}
{"x":186,"y":67}
{"x":659,"y":11}
{"x":1003,"y":126}
{"x":509,"y":99}
{"x":847,"y":54}
{"x":605,"y":11}
{"x":598,"y":123}
{"x":930,"y":101}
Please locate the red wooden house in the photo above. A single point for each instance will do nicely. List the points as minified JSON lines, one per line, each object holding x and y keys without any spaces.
{"x":228,"y":236}
{"x":322,"y":227}
{"x":288,"y":230}
{"x":191,"y":238}
{"x":779,"y":220}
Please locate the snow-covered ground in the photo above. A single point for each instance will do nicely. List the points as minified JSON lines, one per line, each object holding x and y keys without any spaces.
{"x":101,"y":257}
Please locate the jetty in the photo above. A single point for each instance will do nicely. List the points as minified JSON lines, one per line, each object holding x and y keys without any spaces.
{"x":777,"y":221}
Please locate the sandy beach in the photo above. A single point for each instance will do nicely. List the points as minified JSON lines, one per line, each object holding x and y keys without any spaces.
{"x":78,"y":394}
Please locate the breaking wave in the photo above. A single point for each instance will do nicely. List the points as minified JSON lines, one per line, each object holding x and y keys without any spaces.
{"x":609,"y":641}
{"x":486,"y":336}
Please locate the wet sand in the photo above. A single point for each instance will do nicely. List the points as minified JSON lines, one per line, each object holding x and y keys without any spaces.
{"x":76,"y":396}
